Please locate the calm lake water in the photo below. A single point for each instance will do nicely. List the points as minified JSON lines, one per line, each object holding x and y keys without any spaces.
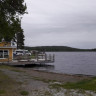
{"x":72,"y":63}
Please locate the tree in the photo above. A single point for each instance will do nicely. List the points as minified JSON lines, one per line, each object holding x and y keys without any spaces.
{"x":10,"y":18}
{"x":20,"y":40}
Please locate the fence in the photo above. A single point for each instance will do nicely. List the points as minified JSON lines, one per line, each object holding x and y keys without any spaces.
{"x":35,"y":58}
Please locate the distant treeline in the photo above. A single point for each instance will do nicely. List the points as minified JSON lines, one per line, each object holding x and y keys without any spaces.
{"x":57,"y":48}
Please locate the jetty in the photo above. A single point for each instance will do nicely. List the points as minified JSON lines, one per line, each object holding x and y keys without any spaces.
{"x":38,"y":59}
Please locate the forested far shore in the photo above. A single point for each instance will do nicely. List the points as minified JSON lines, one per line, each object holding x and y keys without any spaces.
{"x":58,"y":49}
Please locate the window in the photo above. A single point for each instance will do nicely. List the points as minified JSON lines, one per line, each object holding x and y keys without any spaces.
{"x":3,"y":53}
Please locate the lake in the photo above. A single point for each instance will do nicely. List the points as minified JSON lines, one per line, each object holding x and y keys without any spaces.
{"x":72,"y":63}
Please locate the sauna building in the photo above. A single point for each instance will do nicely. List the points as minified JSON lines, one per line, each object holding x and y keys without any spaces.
{"x":6,"y":51}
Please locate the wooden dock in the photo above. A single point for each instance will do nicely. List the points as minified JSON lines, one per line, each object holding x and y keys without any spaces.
{"x":26,"y":63}
{"x":40,"y":59}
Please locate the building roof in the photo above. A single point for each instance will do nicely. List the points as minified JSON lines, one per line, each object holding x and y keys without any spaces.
{"x":13,"y":47}
{"x":6,"y":45}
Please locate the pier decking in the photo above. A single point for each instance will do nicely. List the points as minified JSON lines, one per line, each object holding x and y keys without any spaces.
{"x":40,"y":59}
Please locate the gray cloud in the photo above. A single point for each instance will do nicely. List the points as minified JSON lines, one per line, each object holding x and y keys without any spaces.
{"x":60,"y":22}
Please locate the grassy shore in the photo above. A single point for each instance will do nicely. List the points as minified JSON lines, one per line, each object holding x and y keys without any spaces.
{"x":83,"y":84}
{"x":8,"y":86}
{"x":20,"y":81}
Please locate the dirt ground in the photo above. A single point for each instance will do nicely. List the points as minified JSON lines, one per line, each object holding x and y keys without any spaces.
{"x":36,"y":83}
{"x":55,"y":76}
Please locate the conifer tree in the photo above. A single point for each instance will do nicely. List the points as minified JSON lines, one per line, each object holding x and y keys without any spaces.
{"x":20,"y":40}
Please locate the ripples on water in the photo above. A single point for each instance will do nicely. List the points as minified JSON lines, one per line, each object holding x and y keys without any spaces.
{"x":73,"y":63}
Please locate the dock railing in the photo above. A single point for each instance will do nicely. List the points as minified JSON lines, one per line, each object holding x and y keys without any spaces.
{"x":35,"y":58}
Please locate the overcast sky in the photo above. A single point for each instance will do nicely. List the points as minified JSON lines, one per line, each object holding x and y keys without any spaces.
{"x":60,"y":22}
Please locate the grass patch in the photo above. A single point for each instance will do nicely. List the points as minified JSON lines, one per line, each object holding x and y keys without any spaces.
{"x":2,"y":91}
{"x":32,"y":56}
{"x":16,"y":70}
{"x":81,"y":91}
{"x":5,"y":67}
{"x":43,"y":80}
{"x":84,"y":84}
{"x":47,"y":93}
{"x":8,"y":86}
{"x":10,"y":68}
{"x":24,"y":92}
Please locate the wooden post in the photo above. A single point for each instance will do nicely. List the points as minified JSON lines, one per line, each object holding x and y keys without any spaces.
{"x":45,"y":57}
{"x":8,"y":58}
{"x":49,"y":57}
{"x":53,"y":57}
{"x":42,"y":56}
{"x":37,"y":56}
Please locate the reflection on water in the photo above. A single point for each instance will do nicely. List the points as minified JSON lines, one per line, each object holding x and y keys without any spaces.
{"x":43,"y":67}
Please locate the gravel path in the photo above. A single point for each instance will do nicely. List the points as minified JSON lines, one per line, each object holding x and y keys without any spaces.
{"x":55,"y":76}
{"x":27,"y":82}
{"x":34,"y":82}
